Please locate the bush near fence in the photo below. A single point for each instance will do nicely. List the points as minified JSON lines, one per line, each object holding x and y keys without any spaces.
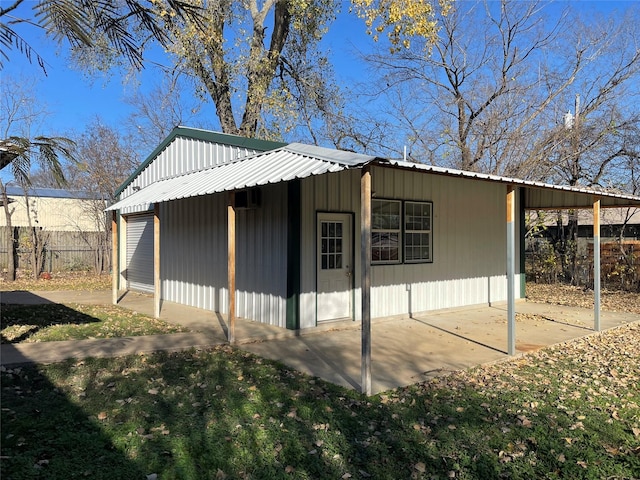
{"x":619,"y":263}
{"x":64,"y":251}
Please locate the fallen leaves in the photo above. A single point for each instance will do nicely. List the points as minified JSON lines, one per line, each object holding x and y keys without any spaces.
{"x":614,"y":300}
{"x":58,"y":322}
{"x":420,"y":467}
{"x":60,"y":281}
{"x":520,"y":415}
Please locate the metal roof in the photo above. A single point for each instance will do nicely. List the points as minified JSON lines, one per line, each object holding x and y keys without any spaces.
{"x":299,"y":161}
{"x":332,"y":155}
{"x":280,"y":165}
{"x":51,"y":193}
{"x":538,"y":195}
{"x":206,"y":135}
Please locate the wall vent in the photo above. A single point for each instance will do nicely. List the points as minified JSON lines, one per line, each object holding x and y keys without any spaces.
{"x":249,"y":198}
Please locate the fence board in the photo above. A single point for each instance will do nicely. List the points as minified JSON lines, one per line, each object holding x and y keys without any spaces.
{"x":64,"y":251}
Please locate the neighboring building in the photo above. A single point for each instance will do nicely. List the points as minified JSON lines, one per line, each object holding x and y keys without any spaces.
{"x":52,"y":209}
{"x":71,"y":226}
{"x":611,"y":224}
{"x":291,"y":216}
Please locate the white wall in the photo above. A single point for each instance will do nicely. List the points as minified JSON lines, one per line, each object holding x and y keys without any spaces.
{"x":193,"y":243}
{"x":54,"y":214}
{"x":469,"y":245}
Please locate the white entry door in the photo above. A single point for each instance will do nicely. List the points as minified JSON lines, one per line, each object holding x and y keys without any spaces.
{"x":335,"y":266}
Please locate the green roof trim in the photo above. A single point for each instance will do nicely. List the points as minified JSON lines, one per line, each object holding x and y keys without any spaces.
{"x":207,"y":136}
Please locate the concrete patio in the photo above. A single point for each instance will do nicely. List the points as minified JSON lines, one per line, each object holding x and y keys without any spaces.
{"x":404,"y":350}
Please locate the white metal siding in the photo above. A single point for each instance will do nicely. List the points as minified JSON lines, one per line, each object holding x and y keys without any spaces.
{"x":469,"y":228}
{"x":194,"y":255}
{"x":193,"y":239}
{"x":261,"y":258}
{"x":336,"y":192}
{"x":469,"y":241}
{"x":139,"y":269}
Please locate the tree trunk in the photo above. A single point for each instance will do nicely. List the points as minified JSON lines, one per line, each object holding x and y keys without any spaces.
{"x":11,"y":244}
{"x":36,"y":240}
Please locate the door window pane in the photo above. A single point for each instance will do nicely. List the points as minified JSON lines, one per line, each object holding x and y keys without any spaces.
{"x":331,"y":245}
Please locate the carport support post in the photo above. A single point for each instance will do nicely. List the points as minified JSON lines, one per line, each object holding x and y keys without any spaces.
{"x":231,"y":265}
{"x":596,"y":264}
{"x":511,"y":268}
{"x":115,"y":268}
{"x":156,"y":261}
{"x":365,"y":256}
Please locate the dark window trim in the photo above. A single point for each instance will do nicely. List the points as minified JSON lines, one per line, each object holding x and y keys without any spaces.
{"x":402,"y":257}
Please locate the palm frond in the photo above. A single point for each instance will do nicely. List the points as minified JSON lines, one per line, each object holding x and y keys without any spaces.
{"x":47,"y":151}
{"x":9,"y":40}
{"x":81,"y":21}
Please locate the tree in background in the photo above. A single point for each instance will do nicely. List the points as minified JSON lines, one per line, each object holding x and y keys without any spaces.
{"x":164,"y":107}
{"x":104,"y":161}
{"x":242,"y":55}
{"x":19,"y":114}
{"x":523,"y":89}
{"x":403,"y":21}
{"x":491,"y":93}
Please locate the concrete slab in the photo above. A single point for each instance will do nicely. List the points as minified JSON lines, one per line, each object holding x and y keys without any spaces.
{"x":23,"y":297}
{"x":410,"y":350}
{"x":404,"y":350}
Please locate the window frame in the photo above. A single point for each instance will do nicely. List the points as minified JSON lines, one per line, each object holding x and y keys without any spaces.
{"x":407,"y":232}
{"x":389,"y":231}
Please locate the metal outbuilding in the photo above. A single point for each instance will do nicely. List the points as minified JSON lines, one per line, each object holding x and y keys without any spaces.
{"x":297,"y":235}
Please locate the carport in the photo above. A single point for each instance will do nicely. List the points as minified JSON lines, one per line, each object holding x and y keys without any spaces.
{"x":285,"y":295}
{"x":531,"y":196}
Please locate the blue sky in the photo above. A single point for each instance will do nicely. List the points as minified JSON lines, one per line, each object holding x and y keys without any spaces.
{"x":74,"y":100}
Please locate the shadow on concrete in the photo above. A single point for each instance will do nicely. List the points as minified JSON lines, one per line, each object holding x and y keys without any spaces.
{"x":463,"y":337}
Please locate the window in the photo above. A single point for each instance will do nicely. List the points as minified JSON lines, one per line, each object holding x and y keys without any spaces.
{"x":401,"y":236}
{"x":417,"y":232}
{"x":385,"y":231}
{"x":331,"y":244}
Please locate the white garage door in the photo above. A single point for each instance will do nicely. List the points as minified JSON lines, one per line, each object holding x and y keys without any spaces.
{"x":140,"y":252}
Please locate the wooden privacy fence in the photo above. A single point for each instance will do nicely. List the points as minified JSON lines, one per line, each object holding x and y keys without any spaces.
{"x":619,"y":261}
{"x":62,"y":251}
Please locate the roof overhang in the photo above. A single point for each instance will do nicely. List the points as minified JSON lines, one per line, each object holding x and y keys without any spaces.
{"x":537,"y":195}
{"x":281,"y":165}
{"x":296,"y":161}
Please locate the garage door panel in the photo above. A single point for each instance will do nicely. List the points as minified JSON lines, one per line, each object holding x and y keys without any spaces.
{"x":140,"y":252}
